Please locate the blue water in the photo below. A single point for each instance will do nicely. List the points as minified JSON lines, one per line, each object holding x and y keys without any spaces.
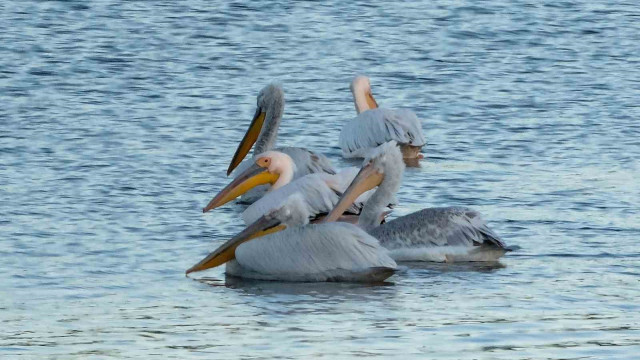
{"x":118,"y":121}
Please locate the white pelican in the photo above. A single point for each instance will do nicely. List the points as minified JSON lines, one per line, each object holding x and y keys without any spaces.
{"x":302,"y":251}
{"x":432,"y":234}
{"x":263,"y":131}
{"x":374,"y":126}
{"x":320,"y":191}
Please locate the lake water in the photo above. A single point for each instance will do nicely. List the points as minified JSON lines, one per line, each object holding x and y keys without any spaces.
{"x":118,"y":121}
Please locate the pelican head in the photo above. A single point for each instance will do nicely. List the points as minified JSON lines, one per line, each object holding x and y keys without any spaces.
{"x":294,"y":212}
{"x":271,"y":167}
{"x":382,"y":167}
{"x":362,"y":96}
{"x":264,"y":126}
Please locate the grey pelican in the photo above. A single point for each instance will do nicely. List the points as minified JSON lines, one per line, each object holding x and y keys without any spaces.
{"x":263,"y":132}
{"x":320,"y":191}
{"x":281,"y":245}
{"x":374,"y":126}
{"x":432,"y":234}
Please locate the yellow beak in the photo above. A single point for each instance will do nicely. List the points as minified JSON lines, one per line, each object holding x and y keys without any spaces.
{"x":227,"y":251}
{"x":371,"y":101}
{"x":367,"y":179}
{"x":248,"y":140}
{"x":250,"y":178}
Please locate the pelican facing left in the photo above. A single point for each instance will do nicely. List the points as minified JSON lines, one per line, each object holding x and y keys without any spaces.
{"x":320,"y":191}
{"x":443,"y":234}
{"x":263,"y":132}
{"x":282,"y":246}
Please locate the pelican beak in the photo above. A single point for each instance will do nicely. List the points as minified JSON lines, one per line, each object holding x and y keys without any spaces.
{"x":227,"y":251}
{"x":371,"y":101}
{"x":248,"y":140}
{"x":368,"y":178}
{"x":250,"y":178}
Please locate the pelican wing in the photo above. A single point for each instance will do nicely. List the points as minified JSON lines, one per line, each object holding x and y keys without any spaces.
{"x":318,"y":195}
{"x":437,"y":227}
{"x":308,"y":162}
{"x":317,"y":252}
{"x":321,"y":192}
{"x":377,"y":126}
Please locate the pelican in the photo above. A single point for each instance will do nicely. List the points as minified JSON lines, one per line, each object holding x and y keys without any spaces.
{"x":444,"y":234}
{"x":320,"y":191}
{"x":263,"y":132}
{"x":281,"y":245}
{"x":374,"y":126}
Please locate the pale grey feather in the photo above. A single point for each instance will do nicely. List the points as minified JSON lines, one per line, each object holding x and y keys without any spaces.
{"x":271,"y":101}
{"x":433,"y":227}
{"x":376,"y":126}
{"x":432,"y":234}
{"x":317,"y":252}
{"x":317,"y":194}
{"x":316,"y":189}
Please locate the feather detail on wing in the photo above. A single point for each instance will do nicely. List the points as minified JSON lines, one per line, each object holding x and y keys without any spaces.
{"x":377,"y":126}
{"x":307,"y":162}
{"x":313,"y":253}
{"x":437,"y":227}
{"x":319,"y":197}
{"x":321,"y":191}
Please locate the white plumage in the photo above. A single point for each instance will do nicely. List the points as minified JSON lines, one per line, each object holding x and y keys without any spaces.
{"x":301,"y":252}
{"x":305,"y":162}
{"x":318,"y":196}
{"x":376,"y":126}
{"x":316,"y":252}
{"x":320,"y":192}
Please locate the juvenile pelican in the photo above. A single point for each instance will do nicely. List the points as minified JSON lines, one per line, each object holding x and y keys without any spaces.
{"x":302,"y":251}
{"x":374,"y":126}
{"x":320,"y":191}
{"x":432,"y":234}
{"x":263,"y":132}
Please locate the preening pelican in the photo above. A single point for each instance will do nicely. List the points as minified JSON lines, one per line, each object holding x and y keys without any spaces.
{"x":319,"y":191}
{"x":374,"y":126}
{"x":281,"y":245}
{"x":432,"y":234}
{"x":263,"y":132}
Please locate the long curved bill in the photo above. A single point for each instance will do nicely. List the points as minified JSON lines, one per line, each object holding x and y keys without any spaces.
{"x":367,"y":179}
{"x":250,"y":178}
{"x":371,"y":101}
{"x":227,"y":251}
{"x":248,"y":140}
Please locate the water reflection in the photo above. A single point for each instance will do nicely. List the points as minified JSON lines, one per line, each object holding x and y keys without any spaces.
{"x":118,"y":121}
{"x":413,"y":163}
{"x":481,"y":267}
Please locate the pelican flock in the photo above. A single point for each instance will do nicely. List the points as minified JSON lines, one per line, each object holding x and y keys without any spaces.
{"x":309,"y":222}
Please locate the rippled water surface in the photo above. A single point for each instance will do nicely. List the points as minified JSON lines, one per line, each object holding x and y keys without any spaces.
{"x":118,"y":120}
